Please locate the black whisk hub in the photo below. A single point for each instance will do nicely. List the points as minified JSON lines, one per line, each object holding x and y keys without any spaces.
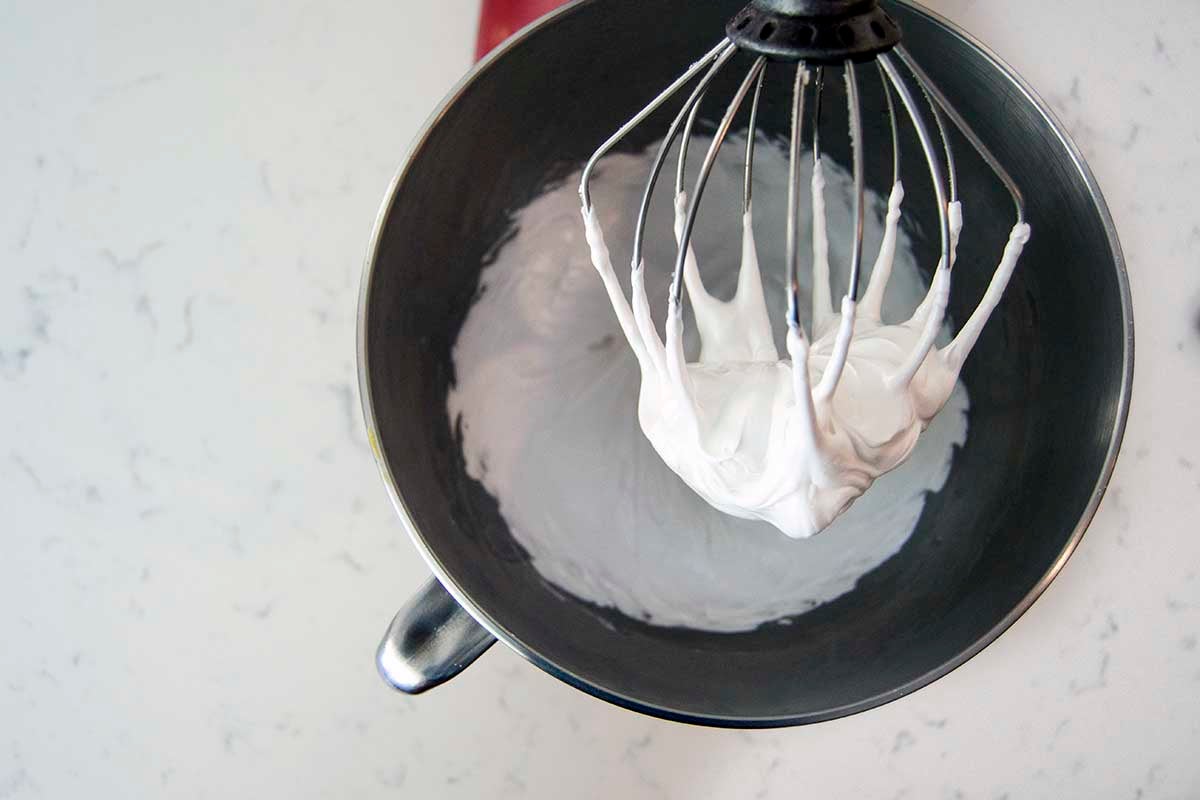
{"x":815,"y":31}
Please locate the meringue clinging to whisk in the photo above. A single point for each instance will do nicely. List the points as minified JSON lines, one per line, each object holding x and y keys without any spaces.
{"x":794,"y":441}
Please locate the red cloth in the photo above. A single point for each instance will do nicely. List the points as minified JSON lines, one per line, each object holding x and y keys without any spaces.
{"x":499,"y":19}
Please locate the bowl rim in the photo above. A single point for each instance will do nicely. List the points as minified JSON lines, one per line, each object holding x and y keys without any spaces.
{"x":481,"y":615}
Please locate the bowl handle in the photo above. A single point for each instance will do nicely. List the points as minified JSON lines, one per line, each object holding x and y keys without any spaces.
{"x":431,"y":640}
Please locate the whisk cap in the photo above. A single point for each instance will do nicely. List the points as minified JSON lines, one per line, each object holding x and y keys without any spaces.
{"x":815,"y":31}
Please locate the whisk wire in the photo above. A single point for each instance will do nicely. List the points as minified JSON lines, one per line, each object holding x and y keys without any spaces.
{"x":943,"y":177}
{"x":891,"y":116}
{"x":623,"y":131}
{"x":705,"y":170}
{"x":688,"y":111}
{"x":931,"y":156}
{"x":951,"y":171}
{"x":931,"y":89}
{"x":940,"y":287}
{"x":687,"y":140}
{"x":751,"y":128}
{"x":793,"y":218}
{"x":818,"y":91}
{"x":856,"y":143}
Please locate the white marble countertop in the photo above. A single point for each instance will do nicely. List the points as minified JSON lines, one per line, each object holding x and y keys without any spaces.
{"x":198,"y":557}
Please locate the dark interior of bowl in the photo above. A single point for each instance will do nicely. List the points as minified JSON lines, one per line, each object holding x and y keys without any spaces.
{"x":1047,"y":380}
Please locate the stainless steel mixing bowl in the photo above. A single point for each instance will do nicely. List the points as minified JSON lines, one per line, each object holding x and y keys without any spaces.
{"x":1049,"y":384}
